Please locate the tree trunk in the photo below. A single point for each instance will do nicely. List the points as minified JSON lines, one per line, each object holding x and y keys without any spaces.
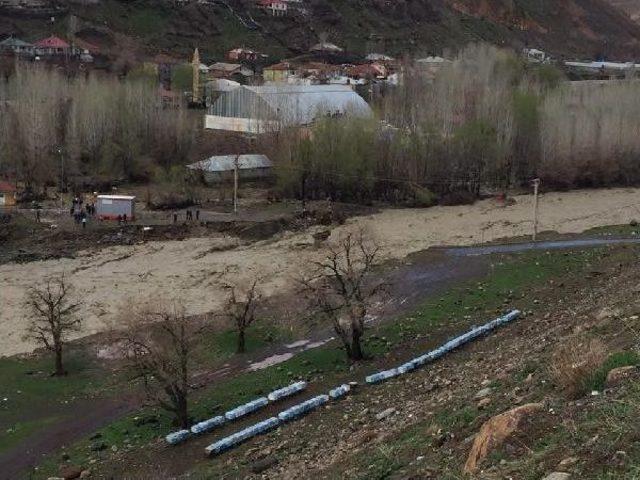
{"x":59,"y":368}
{"x":355,"y":351}
{"x":241,"y":341}
{"x":182,"y":411}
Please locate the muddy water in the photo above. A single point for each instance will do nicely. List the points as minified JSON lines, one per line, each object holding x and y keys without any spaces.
{"x":426,"y":274}
{"x":532,"y":246}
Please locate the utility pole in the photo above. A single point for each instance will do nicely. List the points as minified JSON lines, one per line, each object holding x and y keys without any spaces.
{"x":235,"y":184}
{"x":536,"y":185}
{"x":61,"y":153}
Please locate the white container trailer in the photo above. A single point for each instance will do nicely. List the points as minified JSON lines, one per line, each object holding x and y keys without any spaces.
{"x":109,"y":207}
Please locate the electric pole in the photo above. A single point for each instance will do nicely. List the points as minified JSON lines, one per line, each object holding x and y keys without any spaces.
{"x":235,"y":184}
{"x":536,"y":185}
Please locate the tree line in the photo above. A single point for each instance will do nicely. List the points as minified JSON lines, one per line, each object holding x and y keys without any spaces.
{"x":56,"y":129}
{"x":486,"y":121}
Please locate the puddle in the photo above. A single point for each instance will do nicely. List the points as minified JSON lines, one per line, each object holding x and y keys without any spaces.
{"x":298,"y":344}
{"x":270,"y":361}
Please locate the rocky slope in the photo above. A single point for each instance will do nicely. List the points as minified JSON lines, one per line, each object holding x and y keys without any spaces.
{"x":573,"y":28}
{"x":630,"y":7}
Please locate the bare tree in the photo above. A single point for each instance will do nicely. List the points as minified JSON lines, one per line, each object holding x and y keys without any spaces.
{"x":341,"y":289}
{"x":242,"y":311}
{"x":53,"y":316}
{"x":158,"y":342}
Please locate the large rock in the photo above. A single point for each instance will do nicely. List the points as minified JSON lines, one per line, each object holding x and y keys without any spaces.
{"x":70,"y":472}
{"x":495,"y":431}
{"x":557,"y":476}
{"x":620,"y":374}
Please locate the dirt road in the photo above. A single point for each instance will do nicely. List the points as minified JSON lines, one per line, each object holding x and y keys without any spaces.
{"x":192,"y":270}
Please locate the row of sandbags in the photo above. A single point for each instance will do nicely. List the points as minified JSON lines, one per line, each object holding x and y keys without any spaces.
{"x":235,"y":413}
{"x":442,"y":350}
{"x":287,"y":415}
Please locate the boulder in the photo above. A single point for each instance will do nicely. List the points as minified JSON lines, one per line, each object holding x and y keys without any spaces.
{"x":495,"y":431}
{"x":385,"y":413}
{"x":618,"y":375}
{"x":70,"y":472}
{"x":263,"y":464}
{"x":567,"y":463}
{"x":485,"y":392}
{"x":557,"y":476}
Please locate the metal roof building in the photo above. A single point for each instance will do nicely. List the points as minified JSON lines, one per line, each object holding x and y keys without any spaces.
{"x":16,"y":45}
{"x":110,"y":207}
{"x":220,"y":167}
{"x":264,"y":108}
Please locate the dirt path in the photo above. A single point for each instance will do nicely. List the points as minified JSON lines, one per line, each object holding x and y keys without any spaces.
{"x":191,"y":270}
{"x":82,"y":418}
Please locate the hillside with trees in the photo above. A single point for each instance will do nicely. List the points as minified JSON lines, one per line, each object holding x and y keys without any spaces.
{"x":136,"y":29}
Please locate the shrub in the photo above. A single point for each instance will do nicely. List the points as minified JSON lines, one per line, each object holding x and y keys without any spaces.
{"x":615,"y":360}
{"x":574,"y":364}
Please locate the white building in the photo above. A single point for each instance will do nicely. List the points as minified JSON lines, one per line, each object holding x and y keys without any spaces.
{"x":269,"y":108}
{"x":222,"y":167}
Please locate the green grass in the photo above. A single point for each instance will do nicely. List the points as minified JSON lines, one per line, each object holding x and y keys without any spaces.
{"x":217,"y":347}
{"x":508,"y":285}
{"x":26,"y":386}
{"x":619,"y":359}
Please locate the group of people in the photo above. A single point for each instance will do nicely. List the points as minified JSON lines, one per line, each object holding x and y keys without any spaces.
{"x":188,"y":216}
{"x":80,"y":213}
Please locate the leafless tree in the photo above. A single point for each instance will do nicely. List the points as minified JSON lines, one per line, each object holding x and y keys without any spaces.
{"x":341,"y":288}
{"x":241,"y":311}
{"x":53,"y":316}
{"x":159,"y":342}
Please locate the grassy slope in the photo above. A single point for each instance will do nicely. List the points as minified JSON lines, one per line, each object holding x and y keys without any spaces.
{"x":452,"y":313}
{"x":35,"y":400}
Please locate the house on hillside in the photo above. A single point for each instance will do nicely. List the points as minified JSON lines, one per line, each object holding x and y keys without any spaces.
{"x":220,"y":168}
{"x":430,"y":66}
{"x":269,"y":108}
{"x":277,"y":8}
{"x":367,"y":71}
{"x":378,"y":57}
{"x":52,"y":46}
{"x":7,"y":194}
{"x":278,"y":73}
{"x":244,"y":54}
{"x":230,"y":71}
{"x":16,"y":46}
{"x":533,"y":55}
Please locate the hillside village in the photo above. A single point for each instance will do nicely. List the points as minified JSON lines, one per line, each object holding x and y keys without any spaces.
{"x":284,"y":239}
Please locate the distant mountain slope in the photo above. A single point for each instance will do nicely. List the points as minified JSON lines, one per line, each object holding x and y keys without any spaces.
{"x":631,"y":7}
{"x":574,"y":28}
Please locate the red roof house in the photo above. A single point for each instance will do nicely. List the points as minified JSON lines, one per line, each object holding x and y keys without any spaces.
{"x":52,"y":46}
{"x":274,"y":7}
{"x":7,"y":194}
{"x":367,"y":71}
